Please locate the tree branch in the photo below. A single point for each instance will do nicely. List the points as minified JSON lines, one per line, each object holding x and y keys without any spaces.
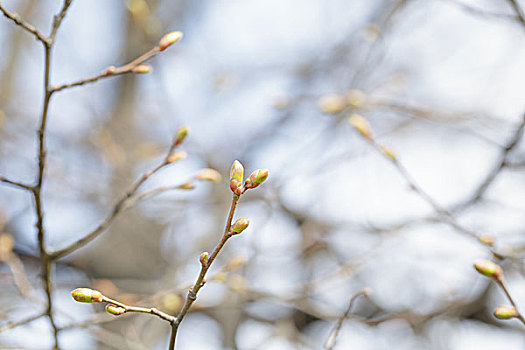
{"x":15,"y":17}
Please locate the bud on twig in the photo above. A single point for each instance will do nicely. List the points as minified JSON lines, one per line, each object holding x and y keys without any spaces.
{"x":142,"y":68}
{"x":361,"y":125}
{"x":256,"y":178}
{"x":208,"y":174}
{"x":111,"y":70}
{"x":489,"y":269}
{"x":505,"y":312}
{"x":177,"y":155}
{"x":169,"y":39}
{"x":487,"y":239}
{"x":86,"y":295}
{"x":181,"y":134}
{"x":115,"y":310}
{"x":236,"y":177}
{"x":239,"y":226}
{"x":204,"y":258}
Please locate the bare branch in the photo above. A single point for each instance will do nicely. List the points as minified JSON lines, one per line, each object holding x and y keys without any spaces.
{"x":332,"y":338}
{"x":111,"y":71}
{"x":15,"y":17}
{"x":192,"y":294}
{"x":11,"y":325}
{"x":16,"y":183}
{"x":58,"y":20}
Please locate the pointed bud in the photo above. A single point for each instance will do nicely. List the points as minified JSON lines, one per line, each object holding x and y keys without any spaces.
{"x":208,"y":174}
{"x":331,"y":104}
{"x":361,"y":125}
{"x":487,"y":239}
{"x":111,"y":70}
{"x":142,"y":68}
{"x":237,"y":171}
{"x":204,"y":258}
{"x":169,"y":39}
{"x":489,"y":269}
{"x":176,"y":156}
{"x":86,"y":295}
{"x":505,"y":312}
{"x":256,"y":178}
{"x":236,"y":186}
{"x":236,"y":177}
{"x":181,"y":134}
{"x":115,"y":310}
{"x":239,"y":226}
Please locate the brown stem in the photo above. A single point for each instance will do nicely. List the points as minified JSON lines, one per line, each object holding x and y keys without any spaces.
{"x":15,"y":17}
{"x":192,"y":293}
{"x":152,"y":311}
{"x":127,"y":68}
{"x":503,"y":286}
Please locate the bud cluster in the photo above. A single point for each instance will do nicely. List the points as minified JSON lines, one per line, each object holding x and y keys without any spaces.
{"x":237,"y":177}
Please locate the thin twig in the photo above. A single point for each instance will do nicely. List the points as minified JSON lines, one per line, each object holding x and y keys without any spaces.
{"x":503,"y":286}
{"x":519,"y":11}
{"x":498,"y":167}
{"x":15,"y":183}
{"x":11,"y":325}
{"x":192,"y":293}
{"x":332,"y":338}
{"x":15,"y":17}
{"x":114,"y":71}
{"x":152,"y":311}
{"x":119,"y":206}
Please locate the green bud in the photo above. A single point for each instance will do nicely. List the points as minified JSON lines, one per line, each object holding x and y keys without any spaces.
{"x":505,"y":312}
{"x":181,"y":134}
{"x":115,"y":310}
{"x":489,"y":269}
{"x":237,"y":171}
{"x":256,"y":178}
{"x":204,"y":258}
{"x":239,"y":226}
{"x":142,"y":68}
{"x":86,"y":295}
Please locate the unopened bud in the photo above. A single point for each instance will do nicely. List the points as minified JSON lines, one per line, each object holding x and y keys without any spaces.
{"x":487,"y":239}
{"x":111,"y":70}
{"x":204,"y":258}
{"x":115,"y":310}
{"x":142,"y":69}
{"x":331,"y":104}
{"x":239,"y":226}
{"x":361,"y":125}
{"x":237,"y":171}
{"x":176,"y":156}
{"x":256,"y":178}
{"x":181,"y":134}
{"x":236,"y":187}
{"x":504,"y":312}
{"x":169,"y":39}
{"x":208,"y":174}
{"x":86,"y":295}
{"x":489,"y":269}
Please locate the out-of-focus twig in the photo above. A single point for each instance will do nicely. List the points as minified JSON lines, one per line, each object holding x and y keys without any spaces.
{"x":332,"y":338}
{"x":15,"y":183}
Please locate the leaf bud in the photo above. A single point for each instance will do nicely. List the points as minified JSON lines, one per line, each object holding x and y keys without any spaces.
{"x":115,"y":310}
{"x":170,"y":39}
{"x":361,"y":125}
{"x":142,"y":68}
{"x":505,"y":312}
{"x":204,"y":258}
{"x":239,"y":226}
{"x":489,"y":269}
{"x":86,"y":295}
